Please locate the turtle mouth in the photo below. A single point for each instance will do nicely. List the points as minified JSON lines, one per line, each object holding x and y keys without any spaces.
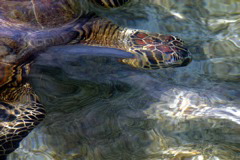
{"x":186,"y":62}
{"x":185,"y":58}
{"x":167,"y":60}
{"x":157,"y":59}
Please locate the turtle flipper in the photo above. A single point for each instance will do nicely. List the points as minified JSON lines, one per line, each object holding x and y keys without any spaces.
{"x":18,"y":116}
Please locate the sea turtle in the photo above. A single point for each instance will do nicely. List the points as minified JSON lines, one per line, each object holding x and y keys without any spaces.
{"x":30,"y":26}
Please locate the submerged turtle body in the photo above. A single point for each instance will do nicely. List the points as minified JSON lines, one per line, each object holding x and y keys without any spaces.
{"x":30,"y":26}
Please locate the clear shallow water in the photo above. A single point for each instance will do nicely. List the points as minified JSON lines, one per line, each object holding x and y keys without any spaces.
{"x":100,"y":109}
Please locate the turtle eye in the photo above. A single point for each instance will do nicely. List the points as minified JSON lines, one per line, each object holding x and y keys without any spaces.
{"x":110,"y":3}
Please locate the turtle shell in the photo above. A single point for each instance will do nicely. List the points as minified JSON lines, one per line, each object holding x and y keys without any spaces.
{"x":18,"y":16}
{"x":40,"y":13}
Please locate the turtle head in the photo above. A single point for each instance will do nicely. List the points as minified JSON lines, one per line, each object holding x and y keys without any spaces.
{"x":154,"y":51}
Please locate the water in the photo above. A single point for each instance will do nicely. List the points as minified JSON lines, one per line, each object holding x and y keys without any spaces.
{"x":100,"y":109}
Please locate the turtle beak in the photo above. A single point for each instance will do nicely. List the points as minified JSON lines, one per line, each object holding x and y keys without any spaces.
{"x":186,"y":62}
{"x":186,"y":57}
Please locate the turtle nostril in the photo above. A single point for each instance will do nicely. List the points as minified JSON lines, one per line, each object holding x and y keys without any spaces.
{"x":186,"y":62}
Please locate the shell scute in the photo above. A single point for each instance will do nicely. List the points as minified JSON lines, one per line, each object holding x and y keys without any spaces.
{"x":40,"y":13}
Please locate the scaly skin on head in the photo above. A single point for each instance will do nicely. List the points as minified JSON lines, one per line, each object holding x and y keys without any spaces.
{"x":154,"y":51}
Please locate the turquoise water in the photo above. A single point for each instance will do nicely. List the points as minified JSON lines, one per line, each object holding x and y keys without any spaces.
{"x":100,"y":109}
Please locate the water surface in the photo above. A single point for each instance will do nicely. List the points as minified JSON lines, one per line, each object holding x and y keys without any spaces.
{"x":100,"y":109}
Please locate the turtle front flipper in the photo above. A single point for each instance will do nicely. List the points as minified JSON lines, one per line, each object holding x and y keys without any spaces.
{"x":20,"y":112}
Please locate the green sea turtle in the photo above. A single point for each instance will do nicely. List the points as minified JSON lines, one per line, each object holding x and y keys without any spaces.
{"x":30,"y":26}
